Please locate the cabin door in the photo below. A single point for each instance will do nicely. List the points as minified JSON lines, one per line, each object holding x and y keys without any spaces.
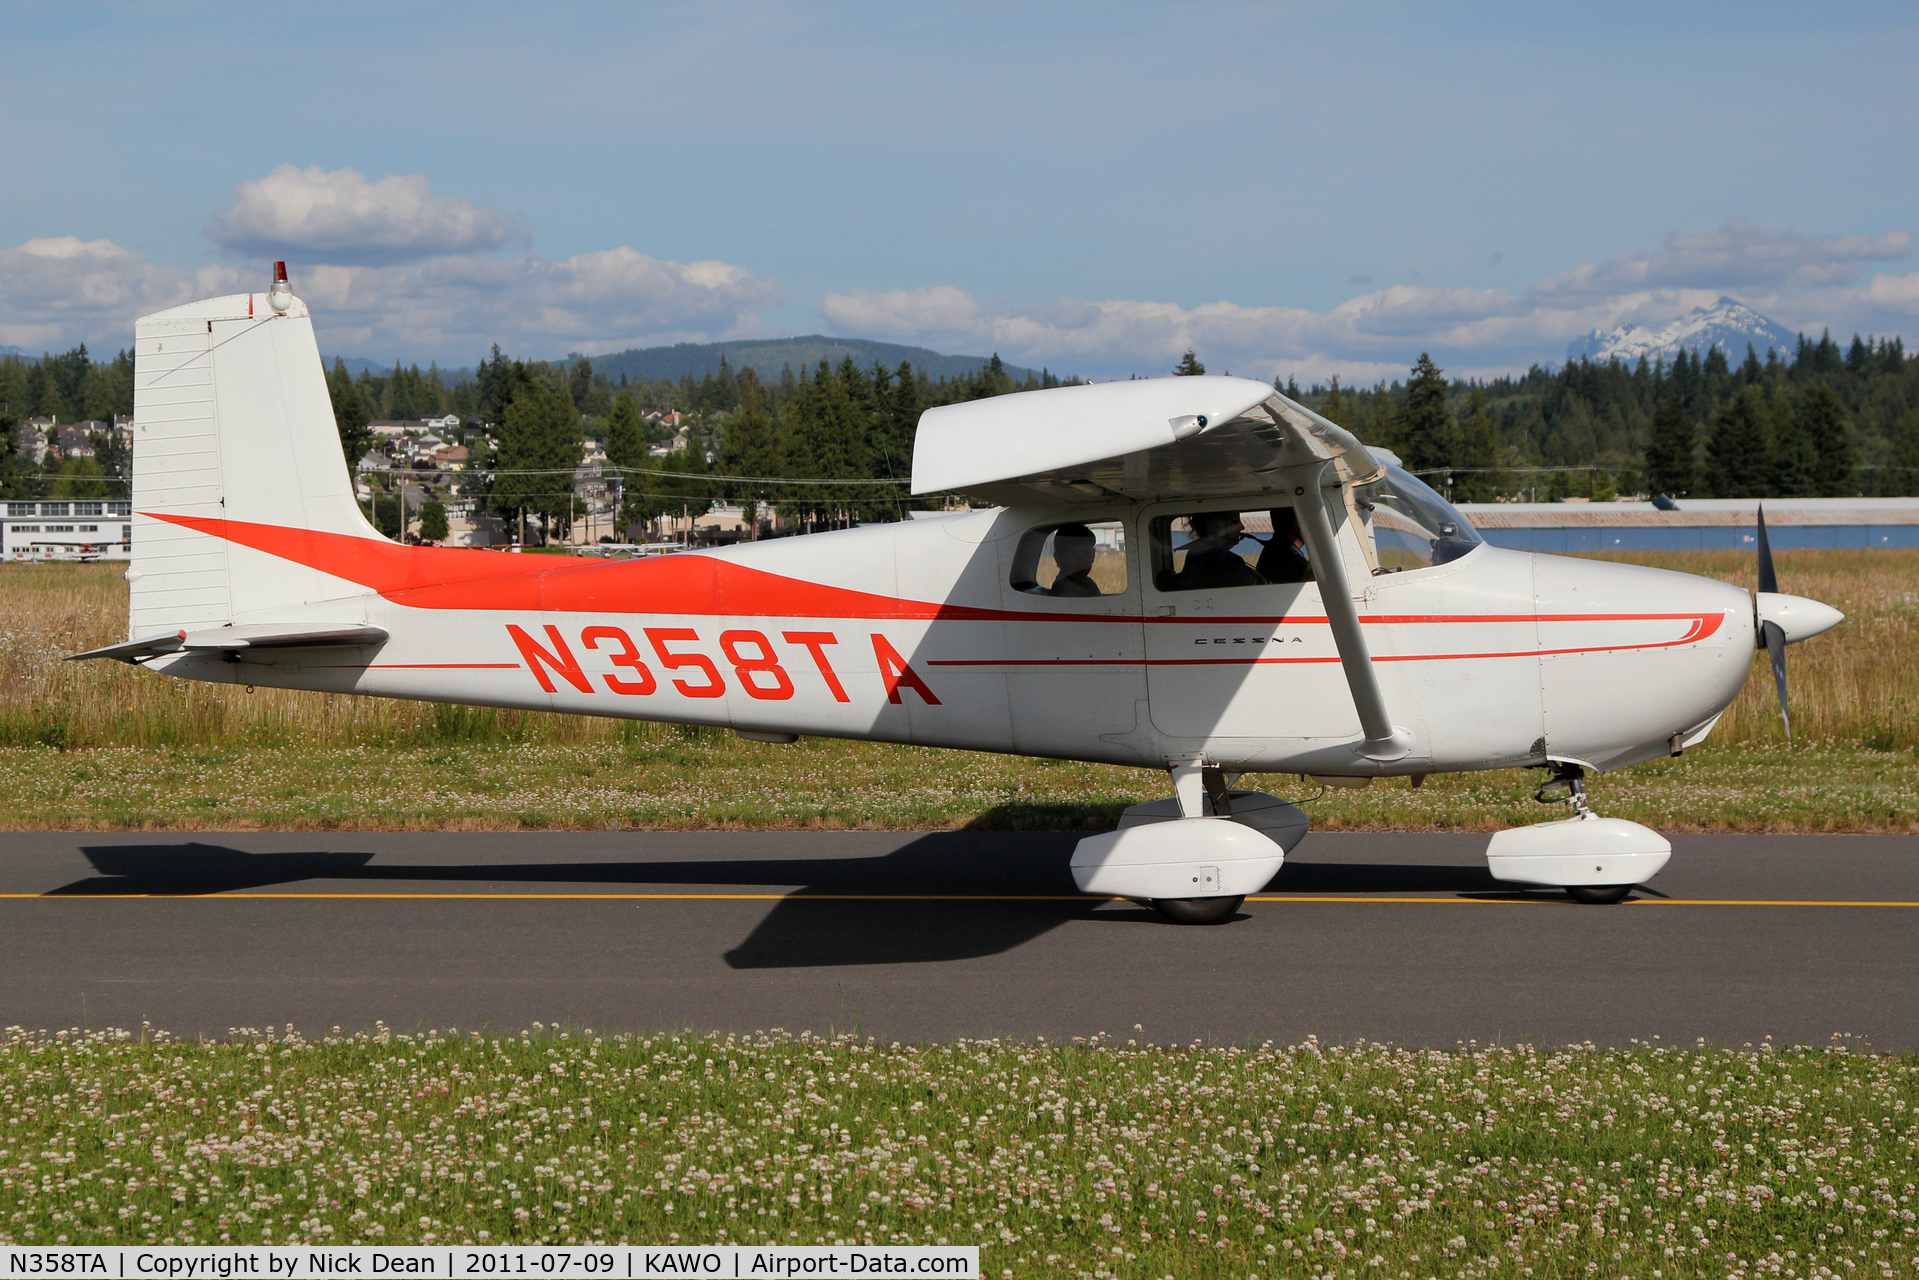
{"x":1237,"y":644}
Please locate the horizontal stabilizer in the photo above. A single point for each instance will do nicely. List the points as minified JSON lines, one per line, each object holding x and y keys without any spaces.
{"x":1148,"y":438}
{"x":256,"y":636}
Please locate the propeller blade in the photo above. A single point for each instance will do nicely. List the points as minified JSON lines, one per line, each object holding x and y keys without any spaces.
{"x":1768,"y":579}
{"x":1776,"y":647}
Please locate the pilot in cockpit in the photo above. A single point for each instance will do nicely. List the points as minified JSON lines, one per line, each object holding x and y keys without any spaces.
{"x":1073,"y":552}
{"x":1284,"y":559}
{"x":1211,"y":561}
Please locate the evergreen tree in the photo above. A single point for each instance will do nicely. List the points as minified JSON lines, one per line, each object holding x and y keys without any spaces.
{"x":1480,"y":450}
{"x":540,"y":434}
{"x":1335,"y":409}
{"x":751,"y":449}
{"x":1821,"y":422}
{"x":1671,"y":467}
{"x":1793,"y":459}
{"x":579,"y":381}
{"x":1188,"y":366}
{"x":1382,"y":420}
{"x":349,"y":415}
{"x":386,"y":514}
{"x":1739,"y":457}
{"x":13,"y":468}
{"x":904,"y":411}
{"x":79,"y":478}
{"x":826,"y":441}
{"x":433,"y":521}
{"x":1426,"y":428}
{"x":1899,"y":478}
{"x":625,"y":433}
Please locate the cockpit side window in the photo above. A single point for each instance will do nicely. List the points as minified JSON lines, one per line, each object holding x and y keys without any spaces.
{"x":1075,"y":560}
{"x":1411,"y":527}
{"x":1214,"y":550}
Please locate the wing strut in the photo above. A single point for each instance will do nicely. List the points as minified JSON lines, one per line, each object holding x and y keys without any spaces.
{"x":1384,"y":740}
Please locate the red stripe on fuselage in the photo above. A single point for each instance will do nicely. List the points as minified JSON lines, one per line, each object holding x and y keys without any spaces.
{"x":708,"y":586}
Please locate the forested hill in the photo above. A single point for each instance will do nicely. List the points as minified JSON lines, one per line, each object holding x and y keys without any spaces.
{"x":767,"y":356}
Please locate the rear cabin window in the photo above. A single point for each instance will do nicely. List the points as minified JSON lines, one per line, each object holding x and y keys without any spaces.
{"x":1072,"y":561}
{"x":1214,"y":550}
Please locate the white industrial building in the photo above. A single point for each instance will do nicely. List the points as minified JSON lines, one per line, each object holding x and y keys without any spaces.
{"x":67,"y":529}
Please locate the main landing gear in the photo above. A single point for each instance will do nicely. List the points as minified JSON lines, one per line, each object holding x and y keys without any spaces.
{"x":1194,"y":857}
{"x":1198,"y":910}
{"x":1595,"y":860}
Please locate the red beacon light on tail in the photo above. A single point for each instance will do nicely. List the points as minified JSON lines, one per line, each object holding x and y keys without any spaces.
{"x":280,"y":295}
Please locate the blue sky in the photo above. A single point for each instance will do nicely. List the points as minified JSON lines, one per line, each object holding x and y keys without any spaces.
{"x":1305,"y":188}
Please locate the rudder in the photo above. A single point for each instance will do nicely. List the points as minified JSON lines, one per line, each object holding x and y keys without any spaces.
{"x":232,"y":422}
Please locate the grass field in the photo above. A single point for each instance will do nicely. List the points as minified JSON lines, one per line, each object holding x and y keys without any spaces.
{"x":1101,"y":1159}
{"x":102,"y":745}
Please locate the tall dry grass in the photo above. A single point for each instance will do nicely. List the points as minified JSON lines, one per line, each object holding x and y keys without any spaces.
{"x":48,"y":611}
{"x":1857,"y":684}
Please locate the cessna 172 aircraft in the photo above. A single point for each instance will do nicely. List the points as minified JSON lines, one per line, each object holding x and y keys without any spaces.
{"x":1110,"y":608}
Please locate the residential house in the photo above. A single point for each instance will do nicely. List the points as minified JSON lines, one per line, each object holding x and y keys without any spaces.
{"x":74,"y":439}
{"x":33,"y":442}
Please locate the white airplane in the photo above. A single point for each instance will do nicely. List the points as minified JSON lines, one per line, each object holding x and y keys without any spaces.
{"x":1109,"y":608}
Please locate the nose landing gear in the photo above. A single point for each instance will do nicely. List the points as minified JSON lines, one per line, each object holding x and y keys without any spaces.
{"x":1595,"y":860}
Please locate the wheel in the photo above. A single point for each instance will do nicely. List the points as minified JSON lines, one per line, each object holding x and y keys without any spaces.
{"x":1198,"y":910}
{"x":1599,"y":895}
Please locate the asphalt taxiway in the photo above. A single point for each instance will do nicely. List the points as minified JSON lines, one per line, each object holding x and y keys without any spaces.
{"x":1400,"y":938}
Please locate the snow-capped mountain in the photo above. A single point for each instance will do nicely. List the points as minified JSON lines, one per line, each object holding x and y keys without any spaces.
{"x":1728,"y":323}
{"x":6,"y":350}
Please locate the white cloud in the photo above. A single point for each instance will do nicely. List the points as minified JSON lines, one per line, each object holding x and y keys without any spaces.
{"x":339,"y":217}
{"x":1802,"y":281}
{"x":1736,"y":257}
{"x":61,"y":290}
{"x":455,"y":307}
{"x":56,"y":292}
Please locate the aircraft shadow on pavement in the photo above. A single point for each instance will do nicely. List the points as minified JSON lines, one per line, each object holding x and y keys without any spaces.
{"x":945,"y":896}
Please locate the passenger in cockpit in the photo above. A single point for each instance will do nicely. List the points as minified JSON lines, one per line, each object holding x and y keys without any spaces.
{"x":1284,"y":559}
{"x":1074,"y":549}
{"x":1211,"y":561}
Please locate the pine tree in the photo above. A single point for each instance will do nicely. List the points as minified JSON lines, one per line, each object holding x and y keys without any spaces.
{"x":79,"y":478}
{"x":1739,"y":457}
{"x":1382,"y":419}
{"x":1426,"y":427}
{"x":626,"y":451}
{"x":1671,"y":468}
{"x":1480,"y":450}
{"x":905,"y":411}
{"x":539,"y":433}
{"x":751,"y":449}
{"x":1821,"y":422}
{"x":625,"y":433}
{"x":1900,"y":476}
{"x":1188,"y":366}
{"x":1335,"y":410}
{"x":1793,"y":458}
{"x":349,"y":414}
{"x":433,"y":521}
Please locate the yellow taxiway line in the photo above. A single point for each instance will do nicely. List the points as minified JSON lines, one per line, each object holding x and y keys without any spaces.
{"x":967,"y":897}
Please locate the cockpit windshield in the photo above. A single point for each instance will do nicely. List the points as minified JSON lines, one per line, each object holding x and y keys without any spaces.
{"x":1410,"y":526}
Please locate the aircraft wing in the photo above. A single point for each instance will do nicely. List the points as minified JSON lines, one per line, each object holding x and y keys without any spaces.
{"x":255,"y":636}
{"x":1148,"y":438}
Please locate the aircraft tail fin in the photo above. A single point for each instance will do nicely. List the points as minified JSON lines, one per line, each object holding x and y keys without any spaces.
{"x":233,"y":424}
